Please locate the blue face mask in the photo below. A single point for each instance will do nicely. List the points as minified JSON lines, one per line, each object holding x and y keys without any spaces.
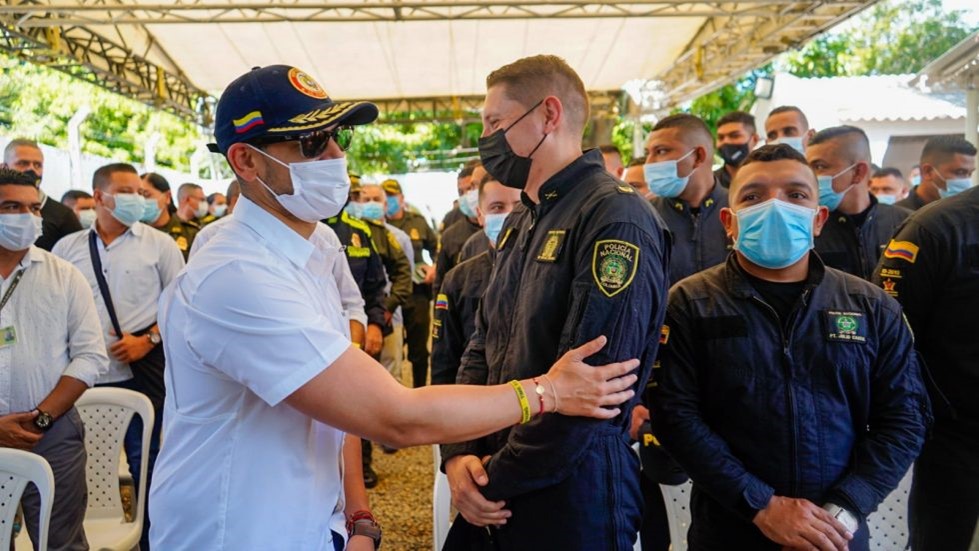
{"x":953,"y":186}
{"x":774,"y":234}
{"x":129,"y":207}
{"x":354,"y":210}
{"x":392,"y":206}
{"x":886,"y":199}
{"x":795,"y":142}
{"x":827,"y":196}
{"x":372,"y":210}
{"x":468,"y":202}
{"x":662,"y":177}
{"x":151,"y":211}
{"x":492,"y":225}
{"x":916,"y":180}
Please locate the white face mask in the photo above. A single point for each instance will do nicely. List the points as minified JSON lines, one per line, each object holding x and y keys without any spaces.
{"x":87,"y":218}
{"x":201,"y":211}
{"x":220,"y":210}
{"x":319,"y":188}
{"x":19,"y":231}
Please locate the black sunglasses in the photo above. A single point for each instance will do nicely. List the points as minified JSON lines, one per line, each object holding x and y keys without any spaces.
{"x":312,"y":144}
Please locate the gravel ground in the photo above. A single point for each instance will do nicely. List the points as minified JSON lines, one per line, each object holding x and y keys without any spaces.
{"x":402,"y":501}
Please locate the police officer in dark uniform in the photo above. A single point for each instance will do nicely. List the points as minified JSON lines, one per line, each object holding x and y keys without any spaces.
{"x":417,"y":312}
{"x":859,"y":227}
{"x":947,"y":163}
{"x":679,"y":153}
{"x":464,"y":183}
{"x":788,"y":391}
{"x":583,"y":256}
{"x":932,"y":268}
{"x":737,"y":135}
{"x":458,"y":299}
{"x":160,"y":213}
{"x":456,"y":235}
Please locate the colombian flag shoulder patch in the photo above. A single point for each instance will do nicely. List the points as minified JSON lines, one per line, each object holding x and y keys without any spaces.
{"x":903,"y":250}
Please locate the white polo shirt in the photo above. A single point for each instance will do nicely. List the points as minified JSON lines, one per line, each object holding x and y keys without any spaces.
{"x":255,"y":315}
{"x":137,"y":265}
{"x":57,"y":330}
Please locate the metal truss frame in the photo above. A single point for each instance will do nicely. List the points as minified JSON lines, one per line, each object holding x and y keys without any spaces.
{"x":31,"y":13}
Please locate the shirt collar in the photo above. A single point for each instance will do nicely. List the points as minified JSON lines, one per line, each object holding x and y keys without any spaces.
{"x":714,"y":200}
{"x":277,"y":235}
{"x":560,"y":184}
{"x":136,"y":229}
{"x":33,"y":255}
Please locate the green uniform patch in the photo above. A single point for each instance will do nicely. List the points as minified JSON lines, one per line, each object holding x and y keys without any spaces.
{"x":845,"y":326}
{"x":614,"y":265}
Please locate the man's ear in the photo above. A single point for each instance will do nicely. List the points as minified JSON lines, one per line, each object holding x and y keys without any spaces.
{"x":729,"y":221}
{"x":822,"y":215}
{"x":553,"y":113}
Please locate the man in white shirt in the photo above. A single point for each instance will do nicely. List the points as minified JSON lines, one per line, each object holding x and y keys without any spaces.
{"x":51,"y":350}
{"x":137,"y":262}
{"x":262,"y":379}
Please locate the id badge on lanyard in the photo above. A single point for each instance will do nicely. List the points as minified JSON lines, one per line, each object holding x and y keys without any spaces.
{"x":8,"y":334}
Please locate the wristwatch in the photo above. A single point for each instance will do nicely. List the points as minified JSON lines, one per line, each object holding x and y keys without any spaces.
{"x":43,"y":421}
{"x":362,"y":523}
{"x":154,"y":337}
{"x":846,"y":517}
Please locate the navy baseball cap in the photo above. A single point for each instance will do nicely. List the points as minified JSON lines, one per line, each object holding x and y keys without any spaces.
{"x":280,"y":100}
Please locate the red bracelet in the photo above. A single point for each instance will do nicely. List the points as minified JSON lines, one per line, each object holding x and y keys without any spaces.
{"x":358,"y":515}
{"x":539,"y":389}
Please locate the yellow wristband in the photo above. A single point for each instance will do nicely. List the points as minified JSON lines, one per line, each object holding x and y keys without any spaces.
{"x":525,"y":412}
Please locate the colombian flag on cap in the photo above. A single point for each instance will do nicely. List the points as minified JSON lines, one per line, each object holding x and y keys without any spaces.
{"x":249,"y":121}
{"x":905,"y":250}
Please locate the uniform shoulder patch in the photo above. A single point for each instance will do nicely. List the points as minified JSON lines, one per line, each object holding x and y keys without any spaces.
{"x":442,"y":302}
{"x":625,"y":189}
{"x":903,"y":250}
{"x":614,"y":265}
{"x":553,"y":244}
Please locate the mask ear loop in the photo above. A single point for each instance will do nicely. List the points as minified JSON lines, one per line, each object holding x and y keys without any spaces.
{"x":529,"y":111}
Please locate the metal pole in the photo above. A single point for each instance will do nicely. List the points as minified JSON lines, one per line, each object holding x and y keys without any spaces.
{"x":972,"y":118}
{"x":75,"y":145}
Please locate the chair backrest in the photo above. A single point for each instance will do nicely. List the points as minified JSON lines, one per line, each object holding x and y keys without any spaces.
{"x":17,"y":468}
{"x":889,"y":523}
{"x":441,"y":500}
{"x":677,"y":500}
{"x":106,"y":413}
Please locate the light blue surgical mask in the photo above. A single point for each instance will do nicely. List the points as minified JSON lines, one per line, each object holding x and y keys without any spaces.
{"x":774,"y":234}
{"x":354,"y":210}
{"x":795,"y":142}
{"x":827,"y":196}
{"x":916,"y":180}
{"x":886,"y":199}
{"x":492,"y":225}
{"x":129,"y":207}
{"x":372,"y":210}
{"x":953,"y":186}
{"x":151,"y":211}
{"x":468,"y":202}
{"x":87,"y":218}
{"x":392,"y":206}
{"x":662,"y":177}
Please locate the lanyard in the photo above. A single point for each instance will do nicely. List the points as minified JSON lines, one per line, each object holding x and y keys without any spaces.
{"x":10,"y":290}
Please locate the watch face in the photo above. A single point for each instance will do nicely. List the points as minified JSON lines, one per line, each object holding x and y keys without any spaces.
{"x":43,"y":421}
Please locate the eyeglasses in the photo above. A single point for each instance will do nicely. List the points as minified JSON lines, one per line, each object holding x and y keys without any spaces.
{"x":312,"y":144}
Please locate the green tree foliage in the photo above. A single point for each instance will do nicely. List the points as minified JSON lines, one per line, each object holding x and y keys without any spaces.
{"x":37,"y":102}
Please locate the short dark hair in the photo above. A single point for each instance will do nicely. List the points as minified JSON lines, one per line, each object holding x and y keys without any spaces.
{"x":19,"y":142}
{"x":9,"y":176}
{"x":941,"y":148}
{"x":747,"y":119}
{"x":158,"y":182}
{"x":100,"y":180}
{"x":790,"y":109}
{"x":185,"y":189}
{"x":531,"y":79}
{"x":75,"y":195}
{"x":774,"y":152}
{"x":468,"y":168}
{"x":833,"y":132}
{"x":485,"y":180}
{"x":608,"y":149}
{"x":638,"y":161}
{"x":689,"y":123}
{"x":888,"y":171}
{"x":212,"y":197}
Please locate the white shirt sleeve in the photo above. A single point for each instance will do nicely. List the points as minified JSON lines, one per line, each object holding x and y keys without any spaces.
{"x":350,"y":297}
{"x":86,"y":347}
{"x":171,"y":261}
{"x":272,"y":342}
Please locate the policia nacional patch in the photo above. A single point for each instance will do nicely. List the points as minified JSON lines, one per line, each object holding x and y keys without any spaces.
{"x":614,"y":265}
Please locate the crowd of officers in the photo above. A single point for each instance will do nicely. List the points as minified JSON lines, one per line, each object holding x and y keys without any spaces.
{"x":795,"y":401}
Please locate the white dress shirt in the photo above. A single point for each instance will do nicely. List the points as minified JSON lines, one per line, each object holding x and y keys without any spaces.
{"x":350,"y":297}
{"x":255,"y":316}
{"x":53,"y":314}
{"x":137,"y":266}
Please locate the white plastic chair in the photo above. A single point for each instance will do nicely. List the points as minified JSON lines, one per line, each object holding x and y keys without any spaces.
{"x":441,"y":502}
{"x":106,"y":413}
{"x":889,"y":523}
{"x":17,"y":469}
{"x":677,"y":499}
